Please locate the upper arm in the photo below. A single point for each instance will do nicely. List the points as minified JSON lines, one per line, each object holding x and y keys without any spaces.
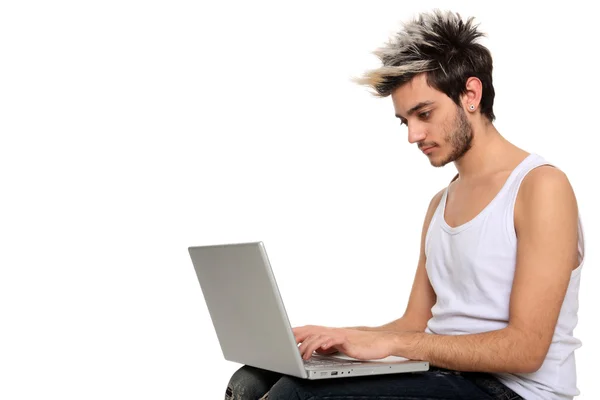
{"x":546,"y":222}
{"x":422,"y":297}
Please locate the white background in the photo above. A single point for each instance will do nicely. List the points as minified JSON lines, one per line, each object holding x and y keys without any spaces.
{"x":131,"y":130}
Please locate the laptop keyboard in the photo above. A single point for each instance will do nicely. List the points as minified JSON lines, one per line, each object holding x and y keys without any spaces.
{"x":315,"y":361}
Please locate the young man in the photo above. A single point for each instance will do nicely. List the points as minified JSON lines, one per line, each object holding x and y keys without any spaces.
{"x":495,"y":295}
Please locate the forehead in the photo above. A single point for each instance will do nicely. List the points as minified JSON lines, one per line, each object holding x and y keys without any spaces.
{"x":414,"y":92}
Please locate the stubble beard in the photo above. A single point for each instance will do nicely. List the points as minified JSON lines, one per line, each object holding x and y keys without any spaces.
{"x":459,"y":138}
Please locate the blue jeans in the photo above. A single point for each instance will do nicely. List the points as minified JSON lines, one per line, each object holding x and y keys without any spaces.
{"x":250,"y":383}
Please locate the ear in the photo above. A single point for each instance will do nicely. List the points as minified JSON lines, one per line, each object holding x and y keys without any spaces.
{"x":472,"y":98}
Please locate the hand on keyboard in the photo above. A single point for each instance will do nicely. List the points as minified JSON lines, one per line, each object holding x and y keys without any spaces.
{"x":362,"y":345}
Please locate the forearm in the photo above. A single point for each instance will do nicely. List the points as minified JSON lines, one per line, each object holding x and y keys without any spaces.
{"x":504,"y":350}
{"x":399,"y":325}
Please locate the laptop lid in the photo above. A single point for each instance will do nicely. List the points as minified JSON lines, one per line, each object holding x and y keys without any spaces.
{"x":246,"y":307}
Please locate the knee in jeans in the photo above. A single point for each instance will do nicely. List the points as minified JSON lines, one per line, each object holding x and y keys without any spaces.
{"x":249,"y":383}
{"x":287,"y":388}
{"x":236,"y":391}
{"x":238,"y":384}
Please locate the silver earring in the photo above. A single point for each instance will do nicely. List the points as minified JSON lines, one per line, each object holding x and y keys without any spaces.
{"x":471,"y":107}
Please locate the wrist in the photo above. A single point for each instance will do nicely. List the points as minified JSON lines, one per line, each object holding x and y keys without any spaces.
{"x":408,"y":345}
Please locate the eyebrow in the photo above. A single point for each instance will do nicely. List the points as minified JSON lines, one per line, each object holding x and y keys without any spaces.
{"x":415,"y":108}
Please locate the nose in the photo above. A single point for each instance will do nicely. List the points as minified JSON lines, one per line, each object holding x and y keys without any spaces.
{"x":416,"y":134}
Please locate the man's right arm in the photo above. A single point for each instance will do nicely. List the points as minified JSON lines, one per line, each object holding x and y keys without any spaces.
{"x":422,"y":297}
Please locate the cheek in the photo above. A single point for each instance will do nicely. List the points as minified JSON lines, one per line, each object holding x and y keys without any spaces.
{"x":444,"y":133}
{"x":438,"y":136}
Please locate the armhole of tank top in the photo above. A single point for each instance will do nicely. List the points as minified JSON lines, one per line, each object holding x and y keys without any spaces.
{"x":430,"y":227}
{"x":437,"y":211}
{"x":510,"y":219}
{"x":580,"y":242}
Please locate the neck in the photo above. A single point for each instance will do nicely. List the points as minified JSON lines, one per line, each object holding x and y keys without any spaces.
{"x":488,"y":153}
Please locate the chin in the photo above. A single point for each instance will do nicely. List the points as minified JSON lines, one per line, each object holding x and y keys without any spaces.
{"x":438,"y":161}
{"x":437,"y":164}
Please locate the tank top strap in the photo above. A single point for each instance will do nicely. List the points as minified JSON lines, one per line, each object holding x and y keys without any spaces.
{"x":513,"y":184}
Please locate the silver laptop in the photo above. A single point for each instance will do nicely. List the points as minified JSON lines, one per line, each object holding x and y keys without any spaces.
{"x":251,"y":322}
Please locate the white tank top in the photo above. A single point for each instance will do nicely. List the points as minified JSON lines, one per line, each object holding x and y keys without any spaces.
{"x":471,"y":269}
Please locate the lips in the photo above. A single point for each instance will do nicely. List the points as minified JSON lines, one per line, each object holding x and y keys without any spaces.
{"x":427,"y":149}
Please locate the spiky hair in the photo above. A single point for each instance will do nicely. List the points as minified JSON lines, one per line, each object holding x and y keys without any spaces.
{"x":442,"y":45}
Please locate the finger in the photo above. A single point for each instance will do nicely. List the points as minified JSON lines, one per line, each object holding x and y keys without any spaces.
{"x":307,"y":343}
{"x":327,"y":348}
{"x":329,"y":345}
{"x":320,"y":333}
{"x":332,"y":345}
{"x":298,"y":329}
{"x":310,"y":344}
{"x":330,"y":350}
{"x":301,"y":333}
{"x":345,"y":348}
{"x":314,"y":345}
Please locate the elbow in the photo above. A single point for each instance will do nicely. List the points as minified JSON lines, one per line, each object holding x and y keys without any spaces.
{"x":531,"y":360}
{"x":528,"y":366}
{"x":531,"y":351}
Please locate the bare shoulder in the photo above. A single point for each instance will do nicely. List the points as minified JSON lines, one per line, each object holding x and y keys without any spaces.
{"x":546,"y":202}
{"x":548,"y":175}
{"x":546,"y":184}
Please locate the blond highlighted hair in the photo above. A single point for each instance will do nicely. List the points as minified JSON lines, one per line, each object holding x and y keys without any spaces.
{"x":442,"y":45}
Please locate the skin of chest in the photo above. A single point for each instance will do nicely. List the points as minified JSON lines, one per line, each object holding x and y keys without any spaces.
{"x":466,"y":199}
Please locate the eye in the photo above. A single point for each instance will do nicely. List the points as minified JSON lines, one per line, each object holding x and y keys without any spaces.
{"x":403,"y":122}
{"x":425,"y":115}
